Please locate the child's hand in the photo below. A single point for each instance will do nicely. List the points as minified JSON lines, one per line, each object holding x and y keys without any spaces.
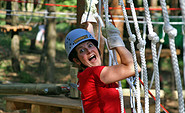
{"x":113,"y":36}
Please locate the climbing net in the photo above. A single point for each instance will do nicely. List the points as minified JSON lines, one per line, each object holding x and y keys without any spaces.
{"x":170,"y":31}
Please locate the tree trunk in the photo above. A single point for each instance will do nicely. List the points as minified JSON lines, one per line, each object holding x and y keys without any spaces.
{"x":174,"y":4}
{"x":80,"y":11}
{"x":15,"y":52}
{"x":30,"y":6}
{"x":51,"y":44}
{"x":15,"y":7}
{"x":8,"y":12}
{"x":13,"y":20}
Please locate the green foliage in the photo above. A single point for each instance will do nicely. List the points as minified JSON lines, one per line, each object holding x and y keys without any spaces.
{"x":166,"y":64}
{"x":24,"y":42}
{"x":62,"y":27}
{"x":5,"y":40}
{"x":124,"y":83}
{"x":181,"y":64}
{"x":2,"y":22}
{"x":66,"y":2}
{"x":167,"y":90}
{"x":26,"y":78}
{"x":6,"y":66}
{"x":178,"y":38}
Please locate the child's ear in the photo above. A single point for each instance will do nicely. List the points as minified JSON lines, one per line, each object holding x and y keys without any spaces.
{"x":77,"y":61}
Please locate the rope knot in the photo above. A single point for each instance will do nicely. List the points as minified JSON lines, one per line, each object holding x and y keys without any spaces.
{"x":161,"y":41}
{"x":154,"y":37}
{"x":129,"y":1}
{"x":141,"y":44}
{"x":171,"y":31}
{"x":132,"y":38}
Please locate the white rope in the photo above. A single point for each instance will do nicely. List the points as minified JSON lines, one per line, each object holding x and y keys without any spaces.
{"x":154,"y":39}
{"x":132,"y":39}
{"x":159,"y":53}
{"x":141,"y":46}
{"x":111,"y":59}
{"x":172,"y":32}
{"x":99,"y":25}
{"x":182,"y":5}
{"x":119,"y":82}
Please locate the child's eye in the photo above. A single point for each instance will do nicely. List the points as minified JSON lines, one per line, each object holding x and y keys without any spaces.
{"x":90,"y":45}
{"x":82,"y":50}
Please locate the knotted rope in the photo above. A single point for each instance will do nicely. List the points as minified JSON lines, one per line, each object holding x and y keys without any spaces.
{"x":141,"y":47}
{"x":172,"y":32}
{"x":132,"y":39}
{"x":119,"y":83}
{"x":154,"y":39}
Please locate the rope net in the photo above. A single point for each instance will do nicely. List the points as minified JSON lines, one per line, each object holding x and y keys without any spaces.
{"x":135,"y":89}
{"x":135,"y":83}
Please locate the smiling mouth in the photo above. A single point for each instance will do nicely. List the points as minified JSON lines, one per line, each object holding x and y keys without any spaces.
{"x":93,"y":56}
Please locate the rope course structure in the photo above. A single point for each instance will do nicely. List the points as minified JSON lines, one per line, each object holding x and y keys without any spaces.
{"x":141,"y":46}
{"x":172,"y":33}
{"x":132,"y":39}
{"x":115,"y":61}
{"x":154,"y":39}
{"x":134,"y":83}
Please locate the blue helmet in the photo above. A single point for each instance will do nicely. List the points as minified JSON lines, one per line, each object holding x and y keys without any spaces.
{"x":75,"y":37}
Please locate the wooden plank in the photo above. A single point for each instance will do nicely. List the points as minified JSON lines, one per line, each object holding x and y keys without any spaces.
{"x":66,"y":110}
{"x":35,"y":108}
{"x":10,"y":106}
{"x":8,"y":28}
{"x":47,"y":101}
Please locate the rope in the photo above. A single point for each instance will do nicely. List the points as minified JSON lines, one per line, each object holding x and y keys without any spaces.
{"x":141,"y":46}
{"x":99,"y":25}
{"x":119,"y":82}
{"x":154,"y":39}
{"x":172,"y":32}
{"x":132,"y":39}
{"x":128,"y":80}
{"x":182,"y":5}
{"x":154,"y":97}
{"x":159,"y":53}
{"x":74,"y":6}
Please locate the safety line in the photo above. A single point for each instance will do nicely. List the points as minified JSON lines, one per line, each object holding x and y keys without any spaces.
{"x":153,"y":96}
{"x":74,"y":6}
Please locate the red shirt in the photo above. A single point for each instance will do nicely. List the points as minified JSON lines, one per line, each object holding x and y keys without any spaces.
{"x":98,"y":97}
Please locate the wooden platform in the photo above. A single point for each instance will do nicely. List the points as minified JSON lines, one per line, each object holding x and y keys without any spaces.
{"x":8,"y":28}
{"x":43,"y":104}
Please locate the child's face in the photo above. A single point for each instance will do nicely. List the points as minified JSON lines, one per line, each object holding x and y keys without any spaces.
{"x":88,"y":54}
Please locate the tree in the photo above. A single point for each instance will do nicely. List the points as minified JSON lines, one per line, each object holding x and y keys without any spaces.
{"x":49,"y":49}
{"x":13,"y":20}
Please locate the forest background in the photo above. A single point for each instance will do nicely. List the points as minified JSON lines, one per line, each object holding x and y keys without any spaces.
{"x":48,"y":63}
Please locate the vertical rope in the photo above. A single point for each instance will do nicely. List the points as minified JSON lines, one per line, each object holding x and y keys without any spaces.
{"x":159,"y":53}
{"x":182,"y":5}
{"x":154,"y":39}
{"x":99,"y":25}
{"x":141,"y":46}
{"x":132,"y":39}
{"x":172,"y":32}
{"x":119,"y":82}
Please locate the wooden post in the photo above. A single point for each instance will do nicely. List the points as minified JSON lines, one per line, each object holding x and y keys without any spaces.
{"x":74,"y":92}
{"x":41,"y":89}
{"x":15,"y":51}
